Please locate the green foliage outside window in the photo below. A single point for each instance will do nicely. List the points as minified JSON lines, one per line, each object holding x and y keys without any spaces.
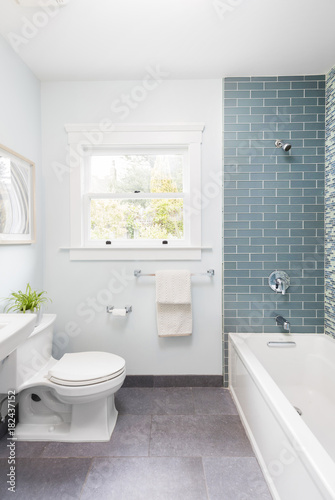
{"x":155,"y":218}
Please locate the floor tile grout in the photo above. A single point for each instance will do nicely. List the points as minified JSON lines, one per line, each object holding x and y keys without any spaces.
{"x":149,"y":447}
{"x":86,"y":477}
{"x":206,"y":485}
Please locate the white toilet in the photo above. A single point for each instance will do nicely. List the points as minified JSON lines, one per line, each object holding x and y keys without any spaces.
{"x":67,"y":400}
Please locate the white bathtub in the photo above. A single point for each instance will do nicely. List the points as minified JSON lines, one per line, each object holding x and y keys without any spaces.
{"x":296,"y":452}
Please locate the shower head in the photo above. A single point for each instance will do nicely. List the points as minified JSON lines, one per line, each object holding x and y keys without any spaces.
{"x":282,"y":144}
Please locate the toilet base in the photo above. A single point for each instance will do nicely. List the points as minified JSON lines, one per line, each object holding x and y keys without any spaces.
{"x":94,"y":421}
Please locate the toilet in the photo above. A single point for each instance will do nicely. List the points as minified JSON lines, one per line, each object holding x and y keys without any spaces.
{"x":71,"y":399}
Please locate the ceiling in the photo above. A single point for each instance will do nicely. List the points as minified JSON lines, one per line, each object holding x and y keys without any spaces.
{"x":121,"y":39}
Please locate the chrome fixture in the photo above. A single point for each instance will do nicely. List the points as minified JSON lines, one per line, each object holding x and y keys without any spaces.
{"x":281,"y":344}
{"x":279,"y":281}
{"x":280,"y":321}
{"x":282,"y":144}
{"x":280,"y":285}
{"x":126,"y":309}
{"x":209,"y":272}
{"x":297,"y":410}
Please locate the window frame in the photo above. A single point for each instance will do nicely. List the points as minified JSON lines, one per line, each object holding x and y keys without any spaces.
{"x":85,"y":140}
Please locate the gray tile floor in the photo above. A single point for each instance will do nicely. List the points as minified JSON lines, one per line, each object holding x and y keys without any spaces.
{"x":168,"y":444}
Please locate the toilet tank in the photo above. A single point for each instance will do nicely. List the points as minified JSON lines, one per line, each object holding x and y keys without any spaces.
{"x":29,"y":358}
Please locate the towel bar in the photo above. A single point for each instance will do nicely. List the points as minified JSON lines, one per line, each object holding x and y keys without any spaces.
{"x":209,"y":272}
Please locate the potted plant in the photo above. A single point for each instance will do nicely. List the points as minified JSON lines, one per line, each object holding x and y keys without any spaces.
{"x":29,"y":301}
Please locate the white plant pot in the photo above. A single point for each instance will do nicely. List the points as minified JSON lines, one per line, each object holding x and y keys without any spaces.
{"x":38,"y":313}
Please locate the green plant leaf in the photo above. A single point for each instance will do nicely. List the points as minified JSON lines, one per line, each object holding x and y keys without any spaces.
{"x":30,"y":300}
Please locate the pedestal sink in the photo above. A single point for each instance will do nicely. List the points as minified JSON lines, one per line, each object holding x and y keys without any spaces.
{"x":14,"y":329}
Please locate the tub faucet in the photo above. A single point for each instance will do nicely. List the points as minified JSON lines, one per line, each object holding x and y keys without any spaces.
{"x":280,"y":321}
{"x":280,"y":285}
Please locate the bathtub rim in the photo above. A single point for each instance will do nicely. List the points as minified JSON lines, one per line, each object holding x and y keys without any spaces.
{"x":299,"y":435}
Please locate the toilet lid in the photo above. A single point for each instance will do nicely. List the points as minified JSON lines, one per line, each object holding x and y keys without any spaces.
{"x":86,"y":368}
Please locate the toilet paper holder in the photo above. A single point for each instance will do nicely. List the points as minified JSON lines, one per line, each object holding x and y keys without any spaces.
{"x":109,"y":309}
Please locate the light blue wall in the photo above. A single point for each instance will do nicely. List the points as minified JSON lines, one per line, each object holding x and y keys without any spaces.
{"x":273,"y":202}
{"x":20,"y":130}
{"x":77,"y":286}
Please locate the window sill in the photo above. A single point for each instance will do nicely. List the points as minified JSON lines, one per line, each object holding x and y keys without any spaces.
{"x":135,"y":253}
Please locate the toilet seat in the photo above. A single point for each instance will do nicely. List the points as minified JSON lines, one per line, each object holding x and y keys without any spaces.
{"x":86,"y":368}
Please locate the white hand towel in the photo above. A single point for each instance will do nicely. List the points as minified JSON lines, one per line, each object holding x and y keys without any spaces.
{"x":173,"y":287}
{"x":174,"y":308}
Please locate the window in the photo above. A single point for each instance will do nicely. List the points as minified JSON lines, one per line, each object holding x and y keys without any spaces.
{"x":131,"y":189}
{"x":136,"y":196}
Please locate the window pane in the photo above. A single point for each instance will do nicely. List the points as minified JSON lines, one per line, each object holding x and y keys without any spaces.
{"x":136,"y":219}
{"x":144,"y":173}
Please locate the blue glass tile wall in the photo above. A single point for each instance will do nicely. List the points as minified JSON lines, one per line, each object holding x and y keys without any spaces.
{"x":330,"y":206}
{"x":274,"y":202}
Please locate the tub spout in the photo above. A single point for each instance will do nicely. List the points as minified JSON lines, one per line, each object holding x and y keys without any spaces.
{"x":280,"y":321}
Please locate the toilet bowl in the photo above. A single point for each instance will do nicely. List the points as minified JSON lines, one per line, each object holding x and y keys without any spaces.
{"x":71,"y":399}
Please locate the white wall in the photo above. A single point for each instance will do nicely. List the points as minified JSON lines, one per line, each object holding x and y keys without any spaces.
{"x":74,"y":285}
{"x":20,"y":130}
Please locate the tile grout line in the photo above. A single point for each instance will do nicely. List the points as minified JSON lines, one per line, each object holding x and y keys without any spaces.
{"x":149,"y":447}
{"x":206,"y":485}
{"x":88,"y":473}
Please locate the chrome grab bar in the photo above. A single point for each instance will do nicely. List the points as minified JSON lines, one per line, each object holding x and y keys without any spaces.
{"x":281,"y":344}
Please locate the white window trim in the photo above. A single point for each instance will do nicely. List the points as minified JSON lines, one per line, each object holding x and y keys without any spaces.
{"x":84,"y":137}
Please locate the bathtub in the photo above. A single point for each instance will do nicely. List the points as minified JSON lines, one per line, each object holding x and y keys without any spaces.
{"x":267,"y":381}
